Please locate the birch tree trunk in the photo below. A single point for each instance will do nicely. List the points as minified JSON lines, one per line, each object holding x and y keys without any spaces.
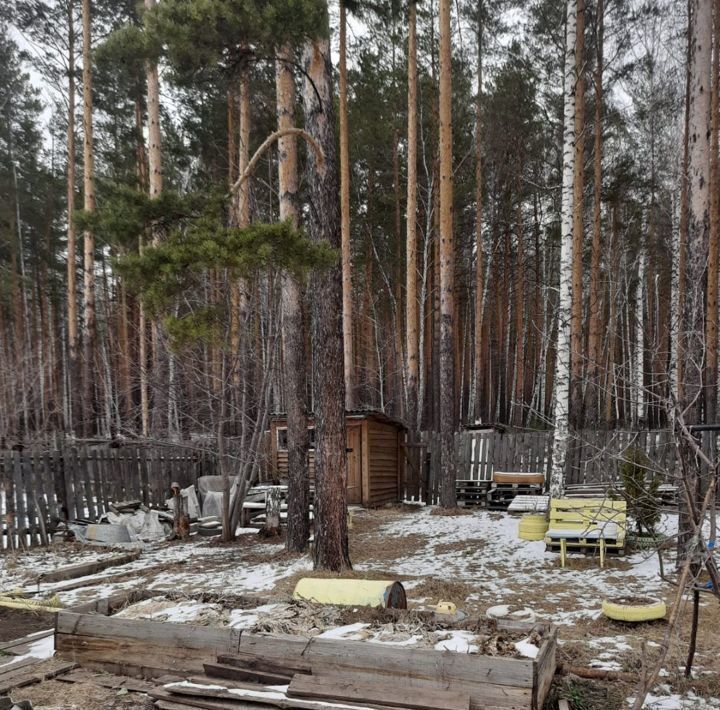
{"x":562,"y":349}
{"x":576,"y":317}
{"x":411,"y":301}
{"x":331,"y":535}
{"x":345,"y":218}
{"x":72,"y":318}
{"x":293,"y":332}
{"x":447,"y":265}
{"x":90,"y":336}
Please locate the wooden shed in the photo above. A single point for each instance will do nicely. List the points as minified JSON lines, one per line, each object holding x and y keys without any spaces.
{"x":376,"y":458}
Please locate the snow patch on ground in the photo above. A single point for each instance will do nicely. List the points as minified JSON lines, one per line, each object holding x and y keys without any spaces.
{"x":458,"y":641}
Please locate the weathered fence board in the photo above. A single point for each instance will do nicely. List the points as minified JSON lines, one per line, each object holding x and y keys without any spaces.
{"x":40,"y":488}
{"x":593,"y":456}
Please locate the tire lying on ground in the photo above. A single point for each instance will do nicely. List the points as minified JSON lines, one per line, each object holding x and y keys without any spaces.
{"x":634,"y":609}
{"x":532,"y":527}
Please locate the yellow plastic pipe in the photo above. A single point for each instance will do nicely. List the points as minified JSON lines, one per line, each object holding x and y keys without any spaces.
{"x":352,"y":592}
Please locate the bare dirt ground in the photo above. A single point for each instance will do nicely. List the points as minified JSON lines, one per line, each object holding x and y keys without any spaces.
{"x":15,"y":623}
{"x":473,"y":559}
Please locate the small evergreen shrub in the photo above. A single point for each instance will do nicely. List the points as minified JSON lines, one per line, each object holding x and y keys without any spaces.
{"x":641,"y":485}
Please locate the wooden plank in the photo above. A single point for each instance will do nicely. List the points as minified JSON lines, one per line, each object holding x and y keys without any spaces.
{"x":21,"y":524}
{"x":28,"y":676}
{"x":389,"y":660}
{"x":131,"y":657}
{"x":329,"y":688}
{"x":30,"y":638}
{"x":33,"y":488}
{"x":158,"y":633}
{"x":253,"y":694}
{"x":254,"y":661}
{"x":220,"y":670}
{"x":107,"y":680}
{"x":87,"y":568}
{"x":49,"y":489}
{"x":9,"y":668}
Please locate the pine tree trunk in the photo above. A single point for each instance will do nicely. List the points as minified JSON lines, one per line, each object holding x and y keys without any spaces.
{"x":519,"y":293}
{"x":411,"y":298}
{"x":562,"y":350}
{"x":595,"y":301}
{"x":348,"y":361}
{"x":692,"y":326}
{"x":692,"y":331}
{"x":160,"y":365}
{"x":711,"y":317}
{"x":90,"y":336}
{"x":447,"y":265}
{"x":295,"y":366}
{"x":479,"y":261}
{"x":73,"y":374}
{"x":331,"y":535}
{"x":684,"y":219}
{"x":576,"y":317}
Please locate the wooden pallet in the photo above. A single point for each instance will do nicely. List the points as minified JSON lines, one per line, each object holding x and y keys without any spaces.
{"x":472,"y":493}
{"x":500,"y":496}
{"x":587,"y":524}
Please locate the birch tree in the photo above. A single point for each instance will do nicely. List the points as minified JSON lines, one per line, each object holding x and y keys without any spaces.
{"x":562,"y":356}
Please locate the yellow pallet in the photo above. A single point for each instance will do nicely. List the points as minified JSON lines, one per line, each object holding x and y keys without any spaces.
{"x":581,"y":515}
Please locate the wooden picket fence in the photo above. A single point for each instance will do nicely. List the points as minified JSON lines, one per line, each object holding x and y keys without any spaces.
{"x":593,"y":456}
{"x":40,"y":488}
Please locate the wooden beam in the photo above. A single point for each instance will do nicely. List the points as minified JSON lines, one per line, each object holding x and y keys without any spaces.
{"x":219,"y":670}
{"x":386,"y":693}
{"x":87,"y":568}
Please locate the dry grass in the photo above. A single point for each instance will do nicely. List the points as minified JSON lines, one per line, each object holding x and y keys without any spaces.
{"x":451,"y":512}
{"x":435,"y":590}
{"x":56,"y":695}
{"x":467,"y":547}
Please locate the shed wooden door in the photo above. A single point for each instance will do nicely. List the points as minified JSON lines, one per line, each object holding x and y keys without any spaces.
{"x":354,"y":456}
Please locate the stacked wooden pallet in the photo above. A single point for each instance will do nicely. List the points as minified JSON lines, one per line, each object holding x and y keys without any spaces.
{"x":226,"y":669}
{"x":472,"y":493}
{"x":506,"y":486}
{"x":667,"y":494}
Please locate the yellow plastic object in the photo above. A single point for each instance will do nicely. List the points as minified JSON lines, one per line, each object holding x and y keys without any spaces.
{"x":656,"y":609}
{"x":446,"y":608}
{"x":50,"y":605}
{"x":532,"y":527}
{"x":352,"y":592}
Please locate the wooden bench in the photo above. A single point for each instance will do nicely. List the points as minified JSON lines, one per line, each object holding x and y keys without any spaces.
{"x":587,"y":523}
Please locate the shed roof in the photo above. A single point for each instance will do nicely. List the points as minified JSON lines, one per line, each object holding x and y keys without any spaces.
{"x":375,"y":414}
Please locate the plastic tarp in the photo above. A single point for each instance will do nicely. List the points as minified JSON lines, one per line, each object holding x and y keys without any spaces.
{"x":191,"y":504}
{"x":211,"y":492}
{"x":121,"y":529}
